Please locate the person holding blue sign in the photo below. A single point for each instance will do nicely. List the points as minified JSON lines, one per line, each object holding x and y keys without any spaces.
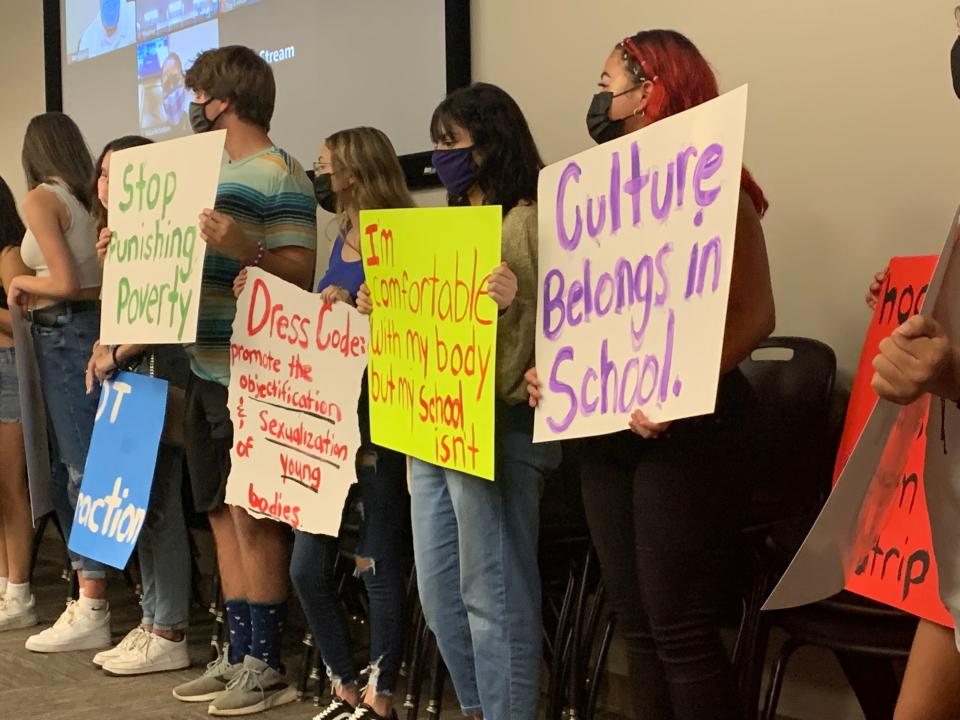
{"x":475,"y":541}
{"x":17,"y":606}
{"x":158,"y":644}
{"x":662,"y":499}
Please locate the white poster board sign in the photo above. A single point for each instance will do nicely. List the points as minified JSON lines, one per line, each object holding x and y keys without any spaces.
{"x":636,"y":248}
{"x":153,"y":268}
{"x":296,"y":366}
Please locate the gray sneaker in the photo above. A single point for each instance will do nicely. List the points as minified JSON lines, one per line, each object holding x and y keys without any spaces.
{"x":257,"y":687}
{"x":209,"y":685}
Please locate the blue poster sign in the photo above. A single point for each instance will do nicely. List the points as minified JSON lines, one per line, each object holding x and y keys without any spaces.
{"x":118,"y":475}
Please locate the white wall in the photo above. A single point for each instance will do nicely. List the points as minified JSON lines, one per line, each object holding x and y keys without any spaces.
{"x":21,"y":82}
{"x":852,"y":130}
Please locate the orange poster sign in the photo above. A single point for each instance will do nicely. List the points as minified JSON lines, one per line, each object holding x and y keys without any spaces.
{"x":900,"y":569}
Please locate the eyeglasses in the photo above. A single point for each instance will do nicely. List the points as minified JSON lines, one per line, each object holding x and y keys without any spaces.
{"x":321,"y":168}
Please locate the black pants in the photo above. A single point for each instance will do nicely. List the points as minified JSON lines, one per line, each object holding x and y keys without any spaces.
{"x":663,"y":515}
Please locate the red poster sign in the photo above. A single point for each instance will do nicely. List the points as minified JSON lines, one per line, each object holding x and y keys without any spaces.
{"x":900,"y":569}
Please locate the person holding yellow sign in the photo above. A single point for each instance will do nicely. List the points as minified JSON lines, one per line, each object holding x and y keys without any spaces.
{"x":475,"y":541}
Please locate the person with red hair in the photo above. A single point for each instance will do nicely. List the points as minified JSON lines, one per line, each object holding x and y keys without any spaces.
{"x":662,"y":499}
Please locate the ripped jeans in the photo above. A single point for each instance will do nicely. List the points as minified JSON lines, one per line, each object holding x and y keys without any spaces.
{"x":63,"y":349}
{"x":384,"y":540}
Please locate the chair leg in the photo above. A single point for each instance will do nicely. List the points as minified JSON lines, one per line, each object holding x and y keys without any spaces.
{"x":38,"y":534}
{"x":438,"y":673}
{"x":305,"y":666}
{"x":776,"y":681}
{"x":554,"y":709}
{"x":599,"y":668}
{"x":414,"y":685}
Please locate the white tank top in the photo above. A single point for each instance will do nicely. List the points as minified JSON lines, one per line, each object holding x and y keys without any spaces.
{"x":80,"y":235}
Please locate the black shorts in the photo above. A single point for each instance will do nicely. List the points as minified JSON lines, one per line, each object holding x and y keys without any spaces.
{"x":208,"y":437}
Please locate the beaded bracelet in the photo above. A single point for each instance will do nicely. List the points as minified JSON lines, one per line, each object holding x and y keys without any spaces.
{"x":260,"y":251}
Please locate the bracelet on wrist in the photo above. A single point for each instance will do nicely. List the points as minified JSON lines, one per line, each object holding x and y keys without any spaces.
{"x":260,"y":252}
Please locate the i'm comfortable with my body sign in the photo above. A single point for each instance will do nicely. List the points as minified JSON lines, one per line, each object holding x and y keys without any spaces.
{"x":636,"y":248}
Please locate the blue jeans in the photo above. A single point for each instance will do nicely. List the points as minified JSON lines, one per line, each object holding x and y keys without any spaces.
{"x":384,"y":539}
{"x":475,"y":546}
{"x":62,"y":353}
{"x":163,"y":548}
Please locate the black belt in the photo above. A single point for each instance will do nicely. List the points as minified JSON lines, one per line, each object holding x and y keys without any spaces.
{"x":49,"y":316}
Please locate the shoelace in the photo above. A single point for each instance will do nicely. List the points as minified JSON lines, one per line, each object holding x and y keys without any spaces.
{"x":361,"y":713}
{"x":218,"y":667}
{"x":247,"y":680}
{"x":130,"y":640}
{"x":68,"y":615}
{"x":332,"y":710}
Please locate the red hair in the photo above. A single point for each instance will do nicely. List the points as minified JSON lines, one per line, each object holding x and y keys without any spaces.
{"x":682,"y":79}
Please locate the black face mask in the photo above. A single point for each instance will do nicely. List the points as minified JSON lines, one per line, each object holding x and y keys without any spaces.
{"x":199,"y":121}
{"x":600,"y":125}
{"x":323,"y":189}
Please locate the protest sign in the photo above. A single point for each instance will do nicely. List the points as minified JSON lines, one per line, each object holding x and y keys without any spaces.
{"x":636,"y":249}
{"x":153,"y":268}
{"x":118,"y":474}
{"x":433,"y":332}
{"x":900,"y":568}
{"x":845,"y":535}
{"x":296,"y":367}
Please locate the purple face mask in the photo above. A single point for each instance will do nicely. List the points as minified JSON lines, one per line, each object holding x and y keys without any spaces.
{"x":456,"y":169}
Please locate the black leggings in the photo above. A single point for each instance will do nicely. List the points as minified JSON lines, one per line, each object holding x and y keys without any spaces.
{"x":663,"y":515}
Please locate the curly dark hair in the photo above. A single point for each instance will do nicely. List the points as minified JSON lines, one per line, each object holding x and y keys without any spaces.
{"x":508,"y":157}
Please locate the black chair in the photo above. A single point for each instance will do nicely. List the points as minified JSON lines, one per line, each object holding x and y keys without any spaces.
{"x":797,"y":429}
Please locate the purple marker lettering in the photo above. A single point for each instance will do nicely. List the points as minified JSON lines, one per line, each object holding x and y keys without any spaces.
{"x":595,"y":224}
{"x":553,"y":302}
{"x":615,"y":193}
{"x":708,"y":165}
{"x":662,"y":211}
{"x":677,"y":387}
{"x":561,"y":388}
{"x":626,"y":403}
{"x":714,"y":250}
{"x":692,"y":271}
{"x":587,"y":407}
{"x":608,"y":368}
{"x":651,"y":369}
{"x":683,"y":158}
{"x":698,"y":218}
{"x":634,"y":186}
{"x":587,"y":291}
{"x":604,"y":284}
{"x":574,"y":314}
{"x":570,"y":172}
{"x":667,"y":357}
{"x":662,"y":272}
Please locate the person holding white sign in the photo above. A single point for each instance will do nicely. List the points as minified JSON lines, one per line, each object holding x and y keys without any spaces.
{"x":158,"y":643}
{"x":265,"y":216}
{"x":475,"y":541}
{"x":62,"y":302}
{"x":662,"y":499}
{"x":17,"y":606}
{"x":359,"y":167}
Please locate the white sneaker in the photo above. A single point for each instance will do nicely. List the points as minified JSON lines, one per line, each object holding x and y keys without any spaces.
{"x":16,"y":614}
{"x":149,"y":654}
{"x":128,"y":642}
{"x":75,"y":629}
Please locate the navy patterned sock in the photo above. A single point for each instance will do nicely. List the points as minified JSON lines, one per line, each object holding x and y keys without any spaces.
{"x":238,"y":622}
{"x":267,"y":620}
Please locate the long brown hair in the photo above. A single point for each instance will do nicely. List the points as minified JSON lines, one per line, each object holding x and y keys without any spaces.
{"x":122,"y":143}
{"x":53,"y":147}
{"x":369,"y":156}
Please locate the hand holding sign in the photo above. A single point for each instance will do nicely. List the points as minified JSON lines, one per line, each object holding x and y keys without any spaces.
{"x":917,"y":358}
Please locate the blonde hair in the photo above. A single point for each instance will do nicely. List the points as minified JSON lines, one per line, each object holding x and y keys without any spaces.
{"x":368,"y":155}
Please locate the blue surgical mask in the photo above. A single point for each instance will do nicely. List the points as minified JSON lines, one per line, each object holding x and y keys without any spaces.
{"x":110,"y":13}
{"x":456,"y":169}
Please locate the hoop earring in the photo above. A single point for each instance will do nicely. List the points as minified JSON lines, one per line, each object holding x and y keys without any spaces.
{"x":639,"y":111}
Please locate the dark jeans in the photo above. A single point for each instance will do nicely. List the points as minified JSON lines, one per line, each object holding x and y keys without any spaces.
{"x":663,"y":516}
{"x":385,"y":540}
